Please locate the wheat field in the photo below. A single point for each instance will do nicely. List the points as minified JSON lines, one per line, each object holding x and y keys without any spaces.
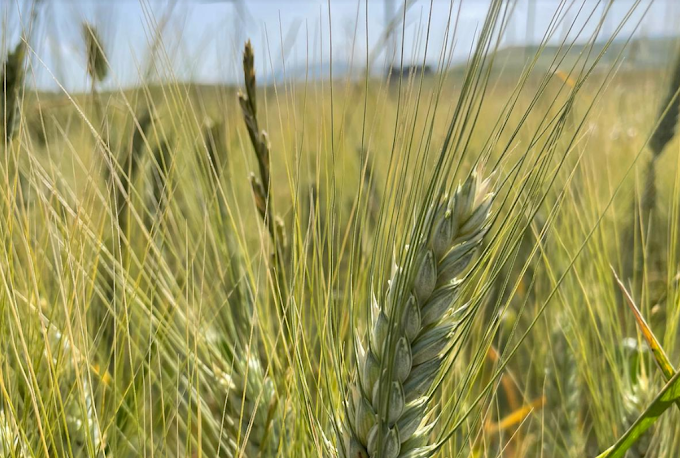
{"x":476,"y":257}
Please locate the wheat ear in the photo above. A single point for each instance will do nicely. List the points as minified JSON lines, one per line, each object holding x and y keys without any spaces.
{"x":261,"y":189}
{"x":12,"y":79}
{"x":666,"y":129}
{"x":563,"y":395}
{"x":411,"y":332}
{"x":643,"y":216}
{"x":97,"y":67}
{"x":246,"y":397}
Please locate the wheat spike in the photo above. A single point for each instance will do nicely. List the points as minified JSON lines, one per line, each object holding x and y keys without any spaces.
{"x":386,"y":411}
{"x":563,"y":396}
{"x":260,"y":142}
{"x":12,"y":78}
{"x":644,"y":215}
{"x":96,"y":58}
{"x":254,"y":417}
{"x":248,"y":103}
{"x":213,"y":136}
{"x":261,"y":187}
{"x":668,"y":115}
{"x":663,"y":134}
{"x":637,"y":393}
{"x":130,"y":167}
{"x":239,"y":389}
{"x":159,"y":176}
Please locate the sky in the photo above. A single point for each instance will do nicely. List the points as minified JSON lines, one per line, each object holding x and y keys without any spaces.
{"x":202,"y":39}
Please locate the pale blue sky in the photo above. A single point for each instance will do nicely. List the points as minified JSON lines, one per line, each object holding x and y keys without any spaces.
{"x":202,"y":39}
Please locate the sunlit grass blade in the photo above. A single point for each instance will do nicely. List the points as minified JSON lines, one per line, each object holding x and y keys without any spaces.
{"x":669,"y":395}
{"x":657,"y":350}
{"x":516,"y":417}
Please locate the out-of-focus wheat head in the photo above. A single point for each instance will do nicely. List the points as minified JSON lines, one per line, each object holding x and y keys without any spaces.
{"x":97,"y":66}
{"x":12,"y":79}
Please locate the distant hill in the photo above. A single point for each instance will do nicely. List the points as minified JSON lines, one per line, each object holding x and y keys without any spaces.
{"x":640,"y":54}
